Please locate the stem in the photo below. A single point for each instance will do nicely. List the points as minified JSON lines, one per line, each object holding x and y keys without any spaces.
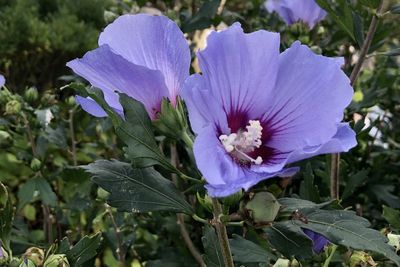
{"x":328,"y":260}
{"x":120,"y":249}
{"x":179,"y":216}
{"x":72,"y":133}
{"x":335,"y":162}
{"x":221,"y":7}
{"x":222,"y":234}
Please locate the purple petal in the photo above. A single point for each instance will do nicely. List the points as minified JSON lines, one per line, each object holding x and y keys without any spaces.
{"x":111,"y":72}
{"x":154,"y":42}
{"x":203,"y":109}
{"x":91,"y":107}
{"x":319,"y":241}
{"x":308,"y":102}
{"x":239,"y":69}
{"x":223,"y":175}
{"x":292,"y":11}
{"x":342,"y":141}
{"x":2,"y":80}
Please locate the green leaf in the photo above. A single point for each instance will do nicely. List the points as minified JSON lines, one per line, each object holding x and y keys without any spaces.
{"x":136,"y":132}
{"x":347,"y":229}
{"x":84,"y":250}
{"x":292,"y":204}
{"x":392,"y":216}
{"x":138,"y":190}
{"x":6,"y":217}
{"x":246,"y":251}
{"x":213,"y":255}
{"x":27,"y":192}
{"x":395,"y":9}
{"x":289,"y":240}
{"x":343,"y":19}
{"x":354,"y":182}
{"x":203,"y":18}
{"x":308,"y":190}
{"x":358,"y":28}
{"x":370,"y":3}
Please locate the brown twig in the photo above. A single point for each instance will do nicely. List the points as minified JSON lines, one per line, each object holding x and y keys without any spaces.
{"x":222,"y":234}
{"x":221,"y":7}
{"x":335,"y":160}
{"x":120,"y":248}
{"x":180,"y":217}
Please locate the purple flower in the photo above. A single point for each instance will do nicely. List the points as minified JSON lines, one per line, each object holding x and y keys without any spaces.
{"x":319,"y":241}
{"x":2,"y":80}
{"x":292,"y":11}
{"x":255,"y":110}
{"x":143,"y":56}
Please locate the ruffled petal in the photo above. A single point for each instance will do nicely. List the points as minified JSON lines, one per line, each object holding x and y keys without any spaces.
{"x":203,"y":110}
{"x":342,"y":141}
{"x":308,"y":102}
{"x":223,"y":175}
{"x":240,"y":69}
{"x":155,"y":42}
{"x":111,"y":72}
{"x":319,"y":241}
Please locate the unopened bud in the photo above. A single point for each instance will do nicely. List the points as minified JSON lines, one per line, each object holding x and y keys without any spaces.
{"x":262,"y":207}
{"x":36,"y":164}
{"x":13,"y":107}
{"x":361,"y":258}
{"x":31,"y":95}
{"x":36,"y":255}
{"x":56,"y":260}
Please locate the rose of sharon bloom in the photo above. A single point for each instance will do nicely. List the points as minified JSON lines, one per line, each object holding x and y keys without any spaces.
{"x":2,"y":80}
{"x":292,"y":11}
{"x":143,"y":56}
{"x":255,"y":110}
{"x":319,"y":241}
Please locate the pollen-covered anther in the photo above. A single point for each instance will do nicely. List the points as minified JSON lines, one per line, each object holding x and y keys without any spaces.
{"x":243,"y":142}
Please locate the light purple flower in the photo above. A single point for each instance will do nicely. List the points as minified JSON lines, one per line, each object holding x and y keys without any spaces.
{"x":2,"y":80}
{"x":255,"y":110}
{"x":319,"y":241}
{"x":143,"y":56}
{"x":292,"y":11}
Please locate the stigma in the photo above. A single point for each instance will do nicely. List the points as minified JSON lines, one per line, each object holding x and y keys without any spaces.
{"x":240,"y":144}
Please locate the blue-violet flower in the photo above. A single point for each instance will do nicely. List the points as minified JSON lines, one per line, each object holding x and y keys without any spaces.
{"x":319,"y":241}
{"x":146,"y":57}
{"x":255,"y":110}
{"x":292,"y":11}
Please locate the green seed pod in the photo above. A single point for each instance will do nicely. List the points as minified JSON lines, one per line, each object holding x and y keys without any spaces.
{"x":36,"y":164}
{"x":263,"y":207}
{"x":56,"y":260}
{"x":13,"y":107}
{"x":31,"y":95}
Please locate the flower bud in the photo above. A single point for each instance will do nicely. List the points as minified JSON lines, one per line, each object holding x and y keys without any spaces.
{"x":171,"y":121}
{"x":394,"y":240}
{"x":27,"y":263}
{"x":36,"y":255}
{"x":56,"y":260}
{"x":262,"y":207}
{"x":361,"y":258}
{"x":13,"y":107}
{"x":5,"y":137}
{"x":286,"y":263}
{"x":5,"y":96}
{"x":36,"y":164}
{"x":31,"y":95}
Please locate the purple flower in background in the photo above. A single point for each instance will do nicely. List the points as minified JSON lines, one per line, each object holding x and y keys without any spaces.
{"x":255,"y":110}
{"x":143,"y":56}
{"x":2,"y":80}
{"x":292,"y":11}
{"x":319,"y":241}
